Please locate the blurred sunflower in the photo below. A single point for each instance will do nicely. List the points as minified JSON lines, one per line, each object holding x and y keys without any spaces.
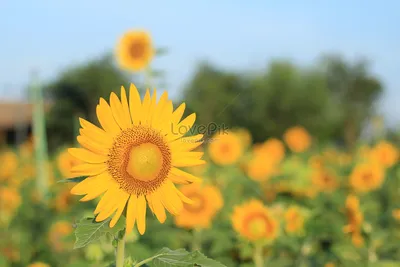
{"x":385,"y":154}
{"x":254,"y":221}
{"x":396,"y":214}
{"x":58,"y":235}
{"x":298,"y":139}
{"x":65,"y":162}
{"x":294,"y":219}
{"x":135,"y":157}
{"x":225,"y":148}
{"x":26,"y":149}
{"x":207,"y":201}
{"x":244,"y":136}
{"x":329,"y":264}
{"x":9,"y":165}
{"x":355,"y":219}
{"x":10,"y":200}
{"x":63,"y":200}
{"x":135,"y":50}
{"x":38,"y":264}
{"x":261,"y":169}
{"x":317,"y":162}
{"x":366,"y":177}
{"x":324,"y":180}
{"x":11,"y":252}
{"x":273,"y":149}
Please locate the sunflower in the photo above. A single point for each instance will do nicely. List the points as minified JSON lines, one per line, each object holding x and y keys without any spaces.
{"x":225,"y":148}
{"x":58,"y":234}
{"x":329,"y":264}
{"x":294,"y":219}
{"x":65,"y":162}
{"x":244,"y":136}
{"x":63,"y":200}
{"x":255,"y":222}
{"x":355,"y":219}
{"x":9,"y":165}
{"x":135,"y":158}
{"x":324,"y":180}
{"x":273,"y":149}
{"x":396,"y":214}
{"x":135,"y":50}
{"x":366,"y":177}
{"x":207,"y":201}
{"x":10,"y":200}
{"x":298,"y":139}
{"x":38,"y":264}
{"x":385,"y":154}
{"x":260,"y":169}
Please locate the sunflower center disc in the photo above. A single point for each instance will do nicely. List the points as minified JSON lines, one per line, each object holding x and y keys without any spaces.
{"x":145,"y":162}
{"x":258,"y":226}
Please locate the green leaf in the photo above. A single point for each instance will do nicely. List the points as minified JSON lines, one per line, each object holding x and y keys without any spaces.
{"x":89,"y":231}
{"x":181,"y":258}
{"x":385,"y":264}
{"x":161,"y":51}
{"x":73,"y":180}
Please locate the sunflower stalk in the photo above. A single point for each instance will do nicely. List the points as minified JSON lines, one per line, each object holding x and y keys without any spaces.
{"x":258,"y":258}
{"x":40,"y":142}
{"x":120,"y":252}
{"x":196,"y":240}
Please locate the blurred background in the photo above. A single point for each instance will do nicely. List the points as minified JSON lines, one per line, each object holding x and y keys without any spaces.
{"x":264,"y":66}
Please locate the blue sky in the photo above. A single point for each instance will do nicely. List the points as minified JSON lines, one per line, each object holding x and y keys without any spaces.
{"x":237,"y":35}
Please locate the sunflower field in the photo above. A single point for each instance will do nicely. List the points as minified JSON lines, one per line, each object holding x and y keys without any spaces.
{"x":144,"y":185}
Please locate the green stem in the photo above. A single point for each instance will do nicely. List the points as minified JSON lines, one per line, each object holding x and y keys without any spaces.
{"x":258,"y":256}
{"x":120,"y":255}
{"x":39,"y":131}
{"x":196,"y":241}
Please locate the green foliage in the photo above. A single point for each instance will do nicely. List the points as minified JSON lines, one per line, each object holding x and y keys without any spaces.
{"x":76,"y":92}
{"x":181,"y":258}
{"x":284,"y":95}
{"x":89,"y":231}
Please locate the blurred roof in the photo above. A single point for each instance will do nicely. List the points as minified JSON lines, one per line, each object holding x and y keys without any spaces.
{"x":14,"y":113}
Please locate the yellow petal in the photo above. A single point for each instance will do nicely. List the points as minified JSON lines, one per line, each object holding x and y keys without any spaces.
{"x":118,"y":111}
{"x":125,"y":107}
{"x":165,"y":124}
{"x":184,"y":198}
{"x":185,"y":157}
{"x":157,"y":207}
{"x":108,"y":197}
{"x":135,"y":105}
{"x":152,"y":108}
{"x":87,"y":156}
{"x":187,"y":162}
{"x":170,"y":199}
{"x":146,"y":107}
{"x":141,"y":214}
{"x":121,"y":206}
{"x":106,"y":118}
{"x":178,"y":113}
{"x":91,"y":145}
{"x":159,"y":109}
{"x":93,"y":185}
{"x":182,"y":128}
{"x":131,"y":211}
{"x":97,"y":134}
{"x":184,"y":175}
{"x":186,"y":143}
{"x":87,"y":169}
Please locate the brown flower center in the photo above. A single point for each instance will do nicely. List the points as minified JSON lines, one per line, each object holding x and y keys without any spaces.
{"x":137,"y":49}
{"x":139,"y":160}
{"x":198,"y":203}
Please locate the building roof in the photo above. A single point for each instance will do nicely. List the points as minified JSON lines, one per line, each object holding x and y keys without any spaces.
{"x":15,"y":113}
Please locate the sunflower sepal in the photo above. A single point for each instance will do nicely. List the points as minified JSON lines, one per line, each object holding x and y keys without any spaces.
{"x":73,"y":180}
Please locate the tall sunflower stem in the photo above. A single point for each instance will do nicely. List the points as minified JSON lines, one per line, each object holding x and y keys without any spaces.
{"x":196,"y":240}
{"x":258,"y":255}
{"x":120,"y":253}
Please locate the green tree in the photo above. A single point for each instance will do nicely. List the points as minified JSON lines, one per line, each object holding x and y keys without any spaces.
{"x":76,"y":92}
{"x":355,"y":92}
{"x":267,"y":103}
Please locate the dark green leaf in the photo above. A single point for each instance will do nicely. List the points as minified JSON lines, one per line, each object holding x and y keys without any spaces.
{"x":181,"y":258}
{"x":73,"y":180}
